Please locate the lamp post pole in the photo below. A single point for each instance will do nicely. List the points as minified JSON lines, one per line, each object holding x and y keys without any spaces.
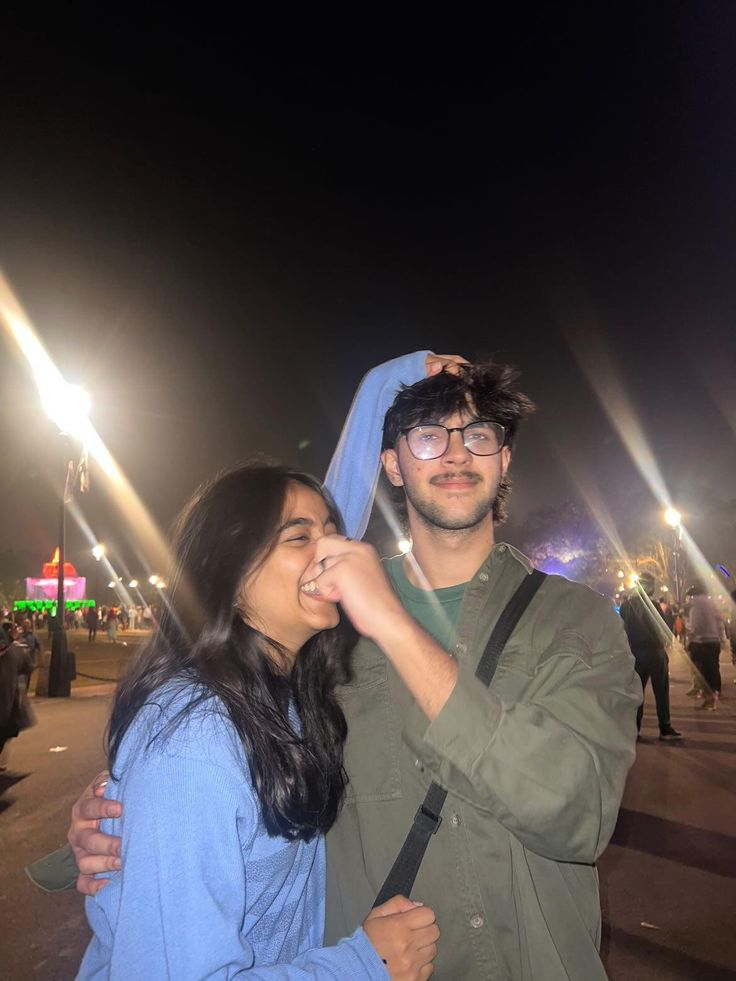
{"x":59,"y":673}
{"x":674,"y":520}
{"x":676,"y":557}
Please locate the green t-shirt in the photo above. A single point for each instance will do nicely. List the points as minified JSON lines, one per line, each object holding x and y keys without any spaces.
{"x":436,"y":610}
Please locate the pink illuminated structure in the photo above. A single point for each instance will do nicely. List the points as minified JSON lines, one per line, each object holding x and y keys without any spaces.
{"x":45,"y":587}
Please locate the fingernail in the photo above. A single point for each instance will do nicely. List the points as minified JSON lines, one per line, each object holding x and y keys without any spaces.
{"x":117,"y":864}
{"x":417,"y":903}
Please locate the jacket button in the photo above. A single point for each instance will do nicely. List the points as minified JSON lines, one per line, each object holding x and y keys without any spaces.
{"x":460,"y":648}
{"x":455,"y":820}
{"x":476,"y":921}
{"x":483,"y":577}
{"x":418,"y":765}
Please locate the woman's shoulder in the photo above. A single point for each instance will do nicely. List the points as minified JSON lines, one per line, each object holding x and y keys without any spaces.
{"x":183,"y":718}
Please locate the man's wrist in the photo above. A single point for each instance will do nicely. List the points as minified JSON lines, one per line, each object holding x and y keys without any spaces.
{"x":394,"y":629}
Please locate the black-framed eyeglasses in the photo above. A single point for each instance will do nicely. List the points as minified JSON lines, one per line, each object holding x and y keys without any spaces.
{"x":431,"y":440}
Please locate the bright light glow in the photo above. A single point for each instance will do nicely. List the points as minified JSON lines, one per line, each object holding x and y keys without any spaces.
{"x":98,"y":551}
{"x":69,"y":405}
{"x":633,"y":580}
{"x":620,"y":573}
{"x":66,"y":405}
{"x":404,"y":545}
{"x":112,"y":584}
{"x":161,"y":584}
{"x":154,"y":580}
{"x":665,"y":589}
{"x":133,"y":584}
{"x":672,"y":517}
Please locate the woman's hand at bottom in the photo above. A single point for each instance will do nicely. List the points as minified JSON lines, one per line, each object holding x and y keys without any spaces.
{"x":404,"y":935}
{"x":94,"y":852}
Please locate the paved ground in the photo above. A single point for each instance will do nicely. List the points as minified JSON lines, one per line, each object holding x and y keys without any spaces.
{"x":668,"y":880}
{"x":99,"y":660}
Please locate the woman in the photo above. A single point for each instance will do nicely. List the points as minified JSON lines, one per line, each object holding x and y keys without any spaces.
{"x":230,"y":715}
{"x":112,"y":625}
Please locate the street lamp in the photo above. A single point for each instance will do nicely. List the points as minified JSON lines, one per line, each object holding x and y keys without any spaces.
{"x":67,"y":406}
{"x":99,"y":551}
{"x":673,"y":518}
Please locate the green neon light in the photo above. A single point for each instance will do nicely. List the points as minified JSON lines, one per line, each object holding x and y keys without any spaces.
{"x":44,"y":606}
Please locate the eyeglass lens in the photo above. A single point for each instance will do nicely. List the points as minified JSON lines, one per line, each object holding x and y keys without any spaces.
{"x":430,"y":442}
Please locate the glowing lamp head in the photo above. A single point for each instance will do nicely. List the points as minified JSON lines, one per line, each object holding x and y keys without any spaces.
{"x":98,"y":551}
{"x":404,"y":545}
{"x":672,"y":517}
{"x":154,"y":580}
{"x":133,"y":584}
{"x":67,"y":406}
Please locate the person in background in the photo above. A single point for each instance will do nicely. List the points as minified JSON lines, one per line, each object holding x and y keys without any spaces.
{"x":112,"y":625}
{"x":705,"y":629}
{"x":33,"y":644}
{"x":667,"y":615}
{"x":92,"y":622}
{"x":648,"y":637}
{"x":15,"y":668}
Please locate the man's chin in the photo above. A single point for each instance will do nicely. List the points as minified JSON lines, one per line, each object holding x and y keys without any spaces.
{"x":453,"y":521}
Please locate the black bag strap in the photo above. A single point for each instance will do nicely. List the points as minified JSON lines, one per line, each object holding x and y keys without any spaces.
{"x":429,"y":816}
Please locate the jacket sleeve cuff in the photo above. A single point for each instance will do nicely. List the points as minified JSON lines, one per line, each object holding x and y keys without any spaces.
{"x":461,"y":731}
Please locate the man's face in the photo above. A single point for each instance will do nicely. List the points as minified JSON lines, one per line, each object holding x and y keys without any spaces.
{"x":455,"y":491}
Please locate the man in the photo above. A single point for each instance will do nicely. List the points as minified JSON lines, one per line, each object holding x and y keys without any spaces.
{"x":667,"y":615}
{"x":648,"y":633}
{"x":92,"y":621}
{"x":15,"y":665}
{"x":705,"y":629}
{"x":534,"y":766}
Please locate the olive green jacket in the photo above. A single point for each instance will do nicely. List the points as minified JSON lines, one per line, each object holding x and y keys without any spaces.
{"x":535,"y":768}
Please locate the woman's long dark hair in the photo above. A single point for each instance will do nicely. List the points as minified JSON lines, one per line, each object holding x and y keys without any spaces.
{"x":224,"y":533}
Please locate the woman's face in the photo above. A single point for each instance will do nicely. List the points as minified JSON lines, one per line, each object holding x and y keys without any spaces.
{"x":272,"y":599}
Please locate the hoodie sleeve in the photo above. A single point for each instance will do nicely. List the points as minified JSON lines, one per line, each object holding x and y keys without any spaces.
{"x":353,"y":472}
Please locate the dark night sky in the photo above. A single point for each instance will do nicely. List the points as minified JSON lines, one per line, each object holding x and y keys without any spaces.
{"x":218,"y":229}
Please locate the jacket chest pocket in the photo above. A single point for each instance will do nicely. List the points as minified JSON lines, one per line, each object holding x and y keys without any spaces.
{"x":372,"y":747}
{"x":524,"y":672}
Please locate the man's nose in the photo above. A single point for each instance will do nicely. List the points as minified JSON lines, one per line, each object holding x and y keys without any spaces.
{"x":456,"y":448}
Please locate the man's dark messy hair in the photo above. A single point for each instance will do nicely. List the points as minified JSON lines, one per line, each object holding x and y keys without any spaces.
{"x":490,"y":389}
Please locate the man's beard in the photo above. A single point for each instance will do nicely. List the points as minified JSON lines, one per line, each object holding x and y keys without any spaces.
{"x":434,"y":515}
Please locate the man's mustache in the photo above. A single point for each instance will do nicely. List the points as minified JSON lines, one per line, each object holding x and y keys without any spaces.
{"x":443,"y":478}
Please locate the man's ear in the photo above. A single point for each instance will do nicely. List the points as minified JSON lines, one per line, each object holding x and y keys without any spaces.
{"x":390,"y":461}
{"x":505,"y":459}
